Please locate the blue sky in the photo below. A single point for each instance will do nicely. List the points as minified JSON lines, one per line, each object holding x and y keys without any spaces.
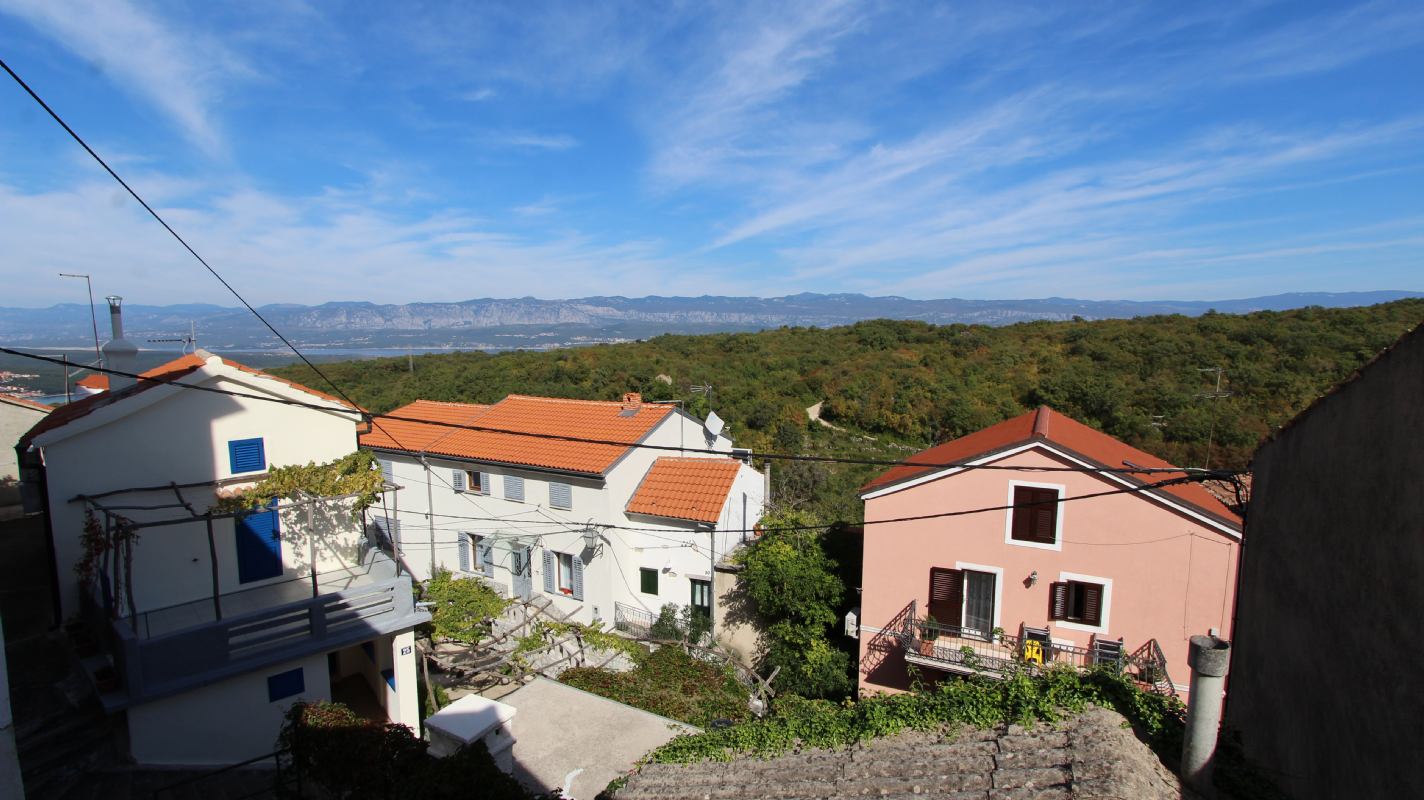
{"x":397,"y":152}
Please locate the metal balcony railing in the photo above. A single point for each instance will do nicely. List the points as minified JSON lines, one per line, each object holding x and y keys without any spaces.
{"x":156,"y":665}
{"x":966,"y":651}
{"x":632,"y":620}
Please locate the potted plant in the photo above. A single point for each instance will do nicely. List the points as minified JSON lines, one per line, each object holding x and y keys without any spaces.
{"x":929,"y":631}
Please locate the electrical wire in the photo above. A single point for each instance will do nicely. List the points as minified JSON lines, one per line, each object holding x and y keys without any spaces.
{"x":1187,"y":473}
{"x":1218,"y":474}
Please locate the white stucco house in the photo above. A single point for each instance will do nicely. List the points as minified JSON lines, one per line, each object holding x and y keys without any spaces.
{"x":609,"y":509}
{"x":218,"y":622}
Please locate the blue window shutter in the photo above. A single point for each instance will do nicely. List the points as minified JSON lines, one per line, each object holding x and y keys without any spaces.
{"x":390,"y":676}
{"x":457,"y":479}
{"x":486,"y":554}
{"x":259,"y":545}
{"x":285,"y":684}
{"x":464,"y":542}
{"x":484,"y":483}
{"x":578,"y":578}
{"x":561,"y":495}
{"x":549,"y":568}
{"x":514,"y":488}
{"x":388,"y":471}
{"x":246,"y":455}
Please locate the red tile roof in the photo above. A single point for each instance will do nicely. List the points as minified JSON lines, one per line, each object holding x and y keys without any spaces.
{"x":1068,"y":434}
{"x":97,"y":381}
{"x":414,"y":432}
{"x":24,"y":402}
{"x":170,"y":371}
{"x":685,"y":488}
{"x":620,"y":424}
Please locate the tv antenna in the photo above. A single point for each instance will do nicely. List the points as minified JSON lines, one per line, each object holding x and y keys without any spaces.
{"x":1215,"y":394}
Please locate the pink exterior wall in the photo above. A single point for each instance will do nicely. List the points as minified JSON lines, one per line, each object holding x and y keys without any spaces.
{"x":1171,"y":575}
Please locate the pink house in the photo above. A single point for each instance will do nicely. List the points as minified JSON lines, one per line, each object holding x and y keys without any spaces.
{"x":1125,"y":577}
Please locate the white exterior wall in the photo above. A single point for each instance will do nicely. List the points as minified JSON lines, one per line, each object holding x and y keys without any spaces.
{"x":180,"y":438}
{"x":222,"y":723}
{"x":15,"y":420}
{"x":611,"y":571}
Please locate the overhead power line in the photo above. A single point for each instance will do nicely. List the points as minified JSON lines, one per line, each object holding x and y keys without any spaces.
{"x":1221,"y":474}
{"x":1187,"y":476}
{"x":161,"y":221}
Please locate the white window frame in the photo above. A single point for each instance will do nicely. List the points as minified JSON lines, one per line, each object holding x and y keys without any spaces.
{"x":1057,"y":517}
{"x":564,"y":576}
{"x":1103,"y":618}
{"x":998,"y":573}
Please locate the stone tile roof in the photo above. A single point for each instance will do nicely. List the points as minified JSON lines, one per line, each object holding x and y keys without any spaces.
{"x":1091,"y":755}
{"x":1048,"y":426}
{"x":615,"y":427}
{"x":685,"y":488}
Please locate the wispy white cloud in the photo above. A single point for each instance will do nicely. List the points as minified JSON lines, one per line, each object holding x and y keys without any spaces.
{"x":181,"y":72}
{"x":528,"y":140}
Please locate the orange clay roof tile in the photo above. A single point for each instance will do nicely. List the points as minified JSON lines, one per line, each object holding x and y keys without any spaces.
{"x":169,"y":371}
{"x":499,"y":438}
{"x":1047,"y":425}
{"x":685,"y":488}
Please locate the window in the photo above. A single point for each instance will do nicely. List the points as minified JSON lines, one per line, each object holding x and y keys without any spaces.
{"x":514,"y":488}
{"x":1077,"y":601}
{"x":468,"y":480}
{"x":285,"y":684}
{"x":648,"y":580}
{"x":388,"y":471}
{"x":246,"y":455}
{"x":566,"y":573}
{"x":1034,"y":517}
{"x":561,"y":495}
{"x":964,"y":599}
{"x":563,"y":574}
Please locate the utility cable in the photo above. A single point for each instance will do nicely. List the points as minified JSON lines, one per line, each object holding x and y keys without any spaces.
{"x":1218,"y":474}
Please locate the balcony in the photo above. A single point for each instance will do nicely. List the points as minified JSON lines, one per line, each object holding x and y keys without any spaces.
{"x":949,"y":648}
{"x":164,"y":651}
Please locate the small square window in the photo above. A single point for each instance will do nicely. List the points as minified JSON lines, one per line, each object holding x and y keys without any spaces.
{"x":1035,"y":515}
{"x":561,"y":495}
{"x":246,"y":455}
{"x":1077,"y":601}
{"x":648,"y":580}
{"x":285,"y":684}
{"x":477,"y":482}
{"x":513,"y":488}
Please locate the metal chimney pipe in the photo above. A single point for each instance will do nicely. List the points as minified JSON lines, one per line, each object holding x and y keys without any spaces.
{"x":119,"y":354}
{"x":116,"y":316}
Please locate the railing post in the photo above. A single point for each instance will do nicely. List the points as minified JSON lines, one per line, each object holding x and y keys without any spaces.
{"x":316,"y":614}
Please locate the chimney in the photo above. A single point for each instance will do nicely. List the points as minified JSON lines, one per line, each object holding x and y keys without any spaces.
{"x":632,"y":400}
{"x":119,"y":353}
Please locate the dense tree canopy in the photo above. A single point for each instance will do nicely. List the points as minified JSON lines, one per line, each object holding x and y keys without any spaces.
{"x":896,"y":387}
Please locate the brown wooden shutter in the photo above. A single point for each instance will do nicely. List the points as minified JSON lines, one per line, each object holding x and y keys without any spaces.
{"x":1092,"y":603}
{"x":1045,"y":516}
{"x":1022,"y":514}
{"x":1058,"y":601}
{"x":946,"y":595}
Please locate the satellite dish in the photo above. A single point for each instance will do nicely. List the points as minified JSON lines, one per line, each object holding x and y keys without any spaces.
{"x":714,"y":423}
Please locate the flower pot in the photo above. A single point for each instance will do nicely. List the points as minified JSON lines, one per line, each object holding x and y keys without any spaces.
{"x":927,"y":647}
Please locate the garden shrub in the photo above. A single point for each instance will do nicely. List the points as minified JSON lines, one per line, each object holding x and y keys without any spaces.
{"x":461,"y":607}
{"x":671,"y":683}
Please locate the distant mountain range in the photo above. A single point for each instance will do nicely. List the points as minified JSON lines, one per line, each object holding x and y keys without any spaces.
{"x":494,"y":324}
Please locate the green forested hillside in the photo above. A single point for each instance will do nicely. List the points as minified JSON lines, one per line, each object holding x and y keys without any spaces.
{"x":898,"y":386}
